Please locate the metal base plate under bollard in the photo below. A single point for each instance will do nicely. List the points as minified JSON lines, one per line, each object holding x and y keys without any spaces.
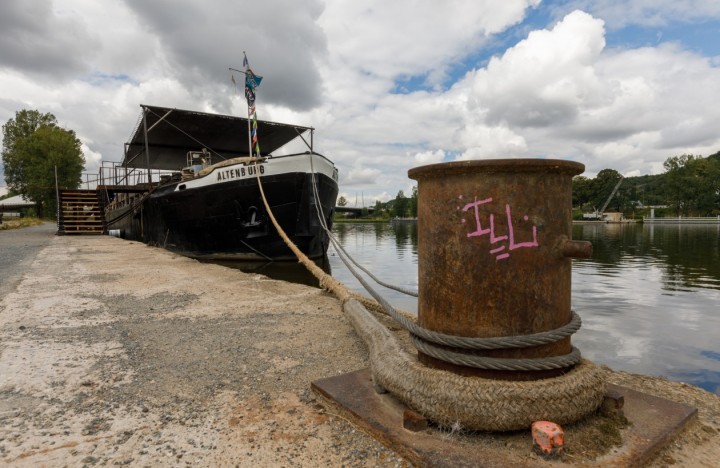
{"x":653,"y":424}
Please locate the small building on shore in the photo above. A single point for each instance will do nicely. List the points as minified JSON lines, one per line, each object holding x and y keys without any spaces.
{"x":15,"y":207}
{"x":612,"y":217}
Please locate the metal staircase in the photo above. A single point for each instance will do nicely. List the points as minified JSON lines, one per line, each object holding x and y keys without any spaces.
{"x":80,"y":213}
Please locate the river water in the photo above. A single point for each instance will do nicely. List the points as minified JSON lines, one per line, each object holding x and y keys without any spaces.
{"x":649,"y":297}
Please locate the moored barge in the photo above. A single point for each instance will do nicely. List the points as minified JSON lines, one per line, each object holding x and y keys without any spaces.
{"x":207,"y":202}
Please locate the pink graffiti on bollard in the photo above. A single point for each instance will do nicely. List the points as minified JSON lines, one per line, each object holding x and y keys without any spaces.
{"x":494,"y":238}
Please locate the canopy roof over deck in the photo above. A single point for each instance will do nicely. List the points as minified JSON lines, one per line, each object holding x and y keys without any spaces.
{"x":171,"y":133}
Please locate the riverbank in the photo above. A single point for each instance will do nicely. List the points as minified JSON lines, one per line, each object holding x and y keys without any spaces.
{"x":113,"y":352}
{"x":18,"y":223}
{"x":360,"y":220}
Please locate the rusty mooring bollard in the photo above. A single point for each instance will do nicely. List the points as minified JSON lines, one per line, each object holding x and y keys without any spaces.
{"x":494,"y":255}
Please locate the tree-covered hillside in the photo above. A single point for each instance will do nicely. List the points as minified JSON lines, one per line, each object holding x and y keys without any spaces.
{"x":690,"y":186}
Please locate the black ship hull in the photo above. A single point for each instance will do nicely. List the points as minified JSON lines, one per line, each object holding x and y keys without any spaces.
{"x":222,"y":215}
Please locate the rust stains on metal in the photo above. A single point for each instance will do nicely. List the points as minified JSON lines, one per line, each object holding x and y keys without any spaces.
{"x":494,"y":254}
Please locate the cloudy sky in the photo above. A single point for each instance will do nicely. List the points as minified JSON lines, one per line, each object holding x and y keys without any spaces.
{"x":388,"y":85}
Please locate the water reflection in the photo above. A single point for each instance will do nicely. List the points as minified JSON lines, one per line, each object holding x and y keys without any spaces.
{"x":688,"y":255}
{"x":648,"y":298}
{"x":403,"y":233}
{"x":389,"y":250}
{"x":406,"y":235}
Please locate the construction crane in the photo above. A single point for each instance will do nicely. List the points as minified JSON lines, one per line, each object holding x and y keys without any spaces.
{"x":612,"y":194}
{"x":599,"y":214}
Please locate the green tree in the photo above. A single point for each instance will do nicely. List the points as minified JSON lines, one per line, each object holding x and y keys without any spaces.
{"x":414,"y":202}
{"x":645,"y":190}
{"x":692,"y":184}
{"x":581,"y":191}
{"x":602,"y":186}
{"x":24,"y":125}
{"x":378,"y":210}
{"x":705,"y":174}
{"x":714,"y":180}
{"x":33,"y":146}
{"x":342,"y":201}
{"x":401,"y":205}
{"x":677,"y":182}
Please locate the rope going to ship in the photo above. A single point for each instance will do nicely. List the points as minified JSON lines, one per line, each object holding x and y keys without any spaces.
{"x":347,"y":256}
{"x":341,"y":250}
{"x":445,"y":397}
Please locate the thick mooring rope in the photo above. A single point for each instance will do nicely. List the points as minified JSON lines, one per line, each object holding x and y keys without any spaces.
{"x":449,"y":399}
{"x":472,"y":402}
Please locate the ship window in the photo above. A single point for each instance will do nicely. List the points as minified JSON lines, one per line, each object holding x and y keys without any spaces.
{"x":182,"y":187}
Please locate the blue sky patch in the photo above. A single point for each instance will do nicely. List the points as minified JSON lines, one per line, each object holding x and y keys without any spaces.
{"x":702,"y":38}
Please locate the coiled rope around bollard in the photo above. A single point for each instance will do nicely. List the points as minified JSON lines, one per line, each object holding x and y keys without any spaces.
{"x":444,"y":397}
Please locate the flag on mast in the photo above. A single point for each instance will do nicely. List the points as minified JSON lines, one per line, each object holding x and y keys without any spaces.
{"x":252,"y":81}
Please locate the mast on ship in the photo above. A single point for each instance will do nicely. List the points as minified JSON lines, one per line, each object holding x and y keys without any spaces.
{"x":252,"y":81}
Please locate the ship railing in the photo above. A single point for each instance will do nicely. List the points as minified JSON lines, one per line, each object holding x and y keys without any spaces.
{"x":113,"y":174}
{"x":88,"y":181}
